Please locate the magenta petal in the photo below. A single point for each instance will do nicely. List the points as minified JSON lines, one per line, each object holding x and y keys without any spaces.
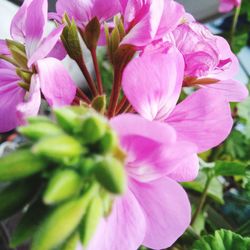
{"x":46,"y":45}
{"x":131,"y":124}
{"x":152,"y":83}
{"x":203,"y":118}
{"x":186,"y":170}
{"x":4,"y":50}
{"x":17,"y":29}
{"x":32,"y":105}
{"x":124,"y":229}
{"x":35,"y":24}
{"x":58,"y":51}
{"x":57,"y":86}
{"x":233,"y":90}
{"x":8,"y":102}
{"x":167,"y":211}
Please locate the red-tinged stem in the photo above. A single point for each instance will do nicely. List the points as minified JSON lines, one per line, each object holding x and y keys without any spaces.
{"x":82,"y":95}
{"x":115,"y":92}
{"x":87,"y":76}
{"x":121,"y":105}
{"x":97,"y":72}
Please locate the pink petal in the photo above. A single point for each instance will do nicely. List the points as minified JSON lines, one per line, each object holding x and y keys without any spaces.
{"x":4,"y":50}
{"x":17,"y":29}
{"x":8,"y":76}
{"x":203,"y":118}
{"x":233,"y":90}
{"x":228,"y":5}
{"x":171,"y":17}
{"x":10,"y":98}
{"x":167,"y":211}
{"x":186,"y":170}
{"x":56,"y":84}
{"x":124,"y":229}
{"x":58,"y":51}
{"x":83,"y":11}
{"x":152,"y":83}
{"x":131,"y":124}
{"x":46,"y":45}
{"x":145,"y":19}
{"x":32,"y":105}
{"x":36,"y":19}
{"x":148,"y":160}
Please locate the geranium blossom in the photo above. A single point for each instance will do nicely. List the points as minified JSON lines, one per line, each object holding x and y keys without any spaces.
{"x":209,"y":61}
{"x":28,"y":27}
{"x":146,"y":214}
{"x":228,"y":5}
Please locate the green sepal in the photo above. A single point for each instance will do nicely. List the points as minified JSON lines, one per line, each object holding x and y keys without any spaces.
{"x":107,"y":143}
{"x":111,"y":174}
{"x":17,"y":195}
{"x":20,"y":164}
{"x":91,"y":220}
{"x":99,"y":103}
{"x":18,"y":53}
{"x":63,"y":185}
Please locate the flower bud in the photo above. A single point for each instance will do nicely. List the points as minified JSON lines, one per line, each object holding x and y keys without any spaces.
{"x":40,"y":130}
{"x":99,"y":103}
{"x":63,"y":185}
{"x":60,"y":148}
{"x":69,"y":118}
{"x":20,"y":164}
{"x":108,"y":142}
{"x":62,"y":222}
{"x":91,"y":220}
{"x":110,"y":173}
{"x":93,"y":128}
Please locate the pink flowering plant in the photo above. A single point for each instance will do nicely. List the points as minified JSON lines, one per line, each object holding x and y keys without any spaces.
{"x":128,"y":161}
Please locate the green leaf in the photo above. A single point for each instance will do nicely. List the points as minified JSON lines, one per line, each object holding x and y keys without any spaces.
{"x":239,"y":41}
{"x":214,"y":190}
{"x":222,"y":240}
{"x":229,"y":168}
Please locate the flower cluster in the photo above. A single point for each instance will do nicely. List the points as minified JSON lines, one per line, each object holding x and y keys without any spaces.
{"x":158,"y":53}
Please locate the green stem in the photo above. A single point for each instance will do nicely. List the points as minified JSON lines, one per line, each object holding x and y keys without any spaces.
{"x":234,"y":24}
{"x":202,"y":200}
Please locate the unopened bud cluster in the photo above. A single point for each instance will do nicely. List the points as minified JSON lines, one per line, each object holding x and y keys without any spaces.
{"x":65,"y":177}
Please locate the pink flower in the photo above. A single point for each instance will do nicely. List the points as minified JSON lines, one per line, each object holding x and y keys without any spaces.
{"x":228,"y":5}
{"x":28,"y":26}
{"x":152,"y":83}
{"x":208,"y":59}
{"x":155,"y":210}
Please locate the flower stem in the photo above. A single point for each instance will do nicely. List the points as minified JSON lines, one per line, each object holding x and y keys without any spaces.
{"x":115,"y":92}
{"x":97,"y":72}
{"x":121,"y":105}
{"x":87,"y":76}
{"x":82,"y":95}
{"x":202,"y":200}
{"x":234,"y":24}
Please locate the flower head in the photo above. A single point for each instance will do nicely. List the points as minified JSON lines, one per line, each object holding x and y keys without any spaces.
{"x":228,"y":5}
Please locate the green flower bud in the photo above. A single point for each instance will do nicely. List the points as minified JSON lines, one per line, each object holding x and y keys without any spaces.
{"x":63,"y":185}
{"x":15,"y":196}
{"x":61,"y":148}
{"x":111,"y":174}
{"x":38,"y":119}
{"x":86,"y":166}
{"x":70,"y":118}
{"x":20,"y":164}
{"x":108,"y":142}
{"x":99,"y":103}
{"x":93,"y":128}
{"x":71,"y":242}
{"x":91,"y":220}
{"x":62,"y":222}
{"x":39,"y":130}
